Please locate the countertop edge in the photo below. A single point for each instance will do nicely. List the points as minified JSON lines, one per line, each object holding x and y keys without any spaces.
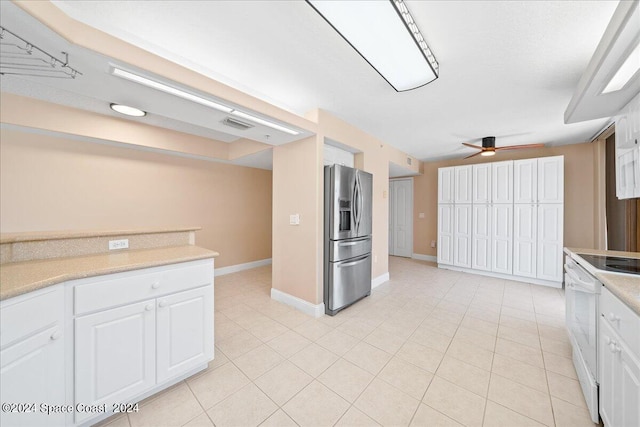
{"x":35,"y":236}
{"x":56,"y":279}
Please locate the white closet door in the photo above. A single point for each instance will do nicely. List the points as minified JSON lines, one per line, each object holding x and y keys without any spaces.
{"x":401,"y":218}
{"x":445,"y":185}
{"x":525,"y":181}
{"x":481,"y":238}
{"x":445,"y":234}
{"x":502,"y":239}
{"x":462,"y":236}
{"x":502,"y":182}
{"x":550,"y":241}
{"x":551,"y":179}
{"x":463,"y":179}
{"x":482,"y":183}
{"x":524,"y":240}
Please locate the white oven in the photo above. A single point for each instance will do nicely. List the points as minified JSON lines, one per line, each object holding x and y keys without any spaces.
{"x":582,"y":293}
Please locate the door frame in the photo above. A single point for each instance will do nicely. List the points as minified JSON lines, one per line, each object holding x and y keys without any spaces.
{"x":391,"y":214}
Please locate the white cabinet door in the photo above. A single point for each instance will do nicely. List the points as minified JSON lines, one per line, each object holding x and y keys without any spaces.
{"x":550,"y":241}
{"x":524,"y":239}
{"x":502,"y":239}
{"x":445,"y":234}
{"x":33,"y":372}
{"x":445,"y":185}
{"x":502,"y":182}
{"x":114,"y":355}
{"x":481,"y":238}
{"x":627,"y":173}
{"x":482,"y":183}
{"x":463,"y":188}
{"x":619,"y":380}
{"x":462,"y":236}
{"x":525,"y":181}
{"x":185,"y":331}
{"x":551,"y":179}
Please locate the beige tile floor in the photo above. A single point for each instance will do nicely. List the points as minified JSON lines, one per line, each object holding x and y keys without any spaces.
{"x":430,"y":347}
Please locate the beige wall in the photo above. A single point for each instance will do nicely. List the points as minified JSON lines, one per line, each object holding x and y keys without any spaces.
{"x":55,"y":183}
{"x":579,"y":194}
{"x":297,"y":249}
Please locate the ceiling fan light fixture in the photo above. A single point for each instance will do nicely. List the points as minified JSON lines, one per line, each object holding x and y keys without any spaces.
{"x":127,"y":110}
{"x":488,"y":153}
{"x":399,"y":54}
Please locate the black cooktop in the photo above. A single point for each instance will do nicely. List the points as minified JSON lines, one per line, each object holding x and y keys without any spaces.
{"x":614,"y":264}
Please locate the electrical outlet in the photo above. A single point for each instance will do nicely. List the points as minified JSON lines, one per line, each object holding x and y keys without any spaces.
{"x":433,"y":243}
{"x":421,"y":215}
{"x":118,"y":244}
{"x":294,"y":219}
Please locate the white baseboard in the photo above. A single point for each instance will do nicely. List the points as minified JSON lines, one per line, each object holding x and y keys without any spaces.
{"x":240,"y":267}
{"x":377,"y":281}
{"x":528,"y":280}
{"x":425,"y":257}
{"x":315,"y":310}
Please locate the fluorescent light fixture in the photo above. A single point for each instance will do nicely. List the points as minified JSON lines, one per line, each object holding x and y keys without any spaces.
{"x":126,"y":110}
{"x":264,"y":122}
{"x":628,"y":69}
{"x":385,"y":34}
{"x":195,"y":98}
{"x":168,"y":89}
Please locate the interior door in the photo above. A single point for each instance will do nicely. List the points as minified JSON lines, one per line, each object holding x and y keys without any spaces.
{"x":401,"y":218}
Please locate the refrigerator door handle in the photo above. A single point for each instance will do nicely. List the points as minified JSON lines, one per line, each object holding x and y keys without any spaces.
{"x":360,"y":201}
{"x":354,"y":204}
{"x":351,"y":263}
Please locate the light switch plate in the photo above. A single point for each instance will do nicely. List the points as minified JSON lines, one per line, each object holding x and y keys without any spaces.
{"x":118,"y":244}
{"x":294,"y":219}
{"x":433,"y":243}
{"x":421,"y":215}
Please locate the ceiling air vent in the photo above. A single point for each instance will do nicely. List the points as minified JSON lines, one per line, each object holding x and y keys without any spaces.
{"x":237,"y":124}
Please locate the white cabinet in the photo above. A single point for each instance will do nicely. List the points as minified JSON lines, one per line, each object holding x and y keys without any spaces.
{"x":482,"y":183}
{"x":463,"y":188}
{"x":32,"y":357}
{"x":445,"y":185}
{"x":502,"y":238}
{"x":462,"y":236}
{"x":618,"y":363}
{"x":628,"y":150}
{"x":184,"y":332}
{"x":136,"y":331}
{"x":551,"y":179}
{"x":550,"y":242}
{"x":481,"y":238}
{"x":502,"y":182}
{"x":445,"y":234}
{"x":525,"y":227}
{"x":114,"y":355}
{"x":525,"y":181}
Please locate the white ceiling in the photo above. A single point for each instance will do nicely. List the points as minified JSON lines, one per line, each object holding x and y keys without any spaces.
{"x":507,"y":68}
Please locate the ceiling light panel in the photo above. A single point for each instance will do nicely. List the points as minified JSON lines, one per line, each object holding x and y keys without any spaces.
{"x":626,"y":71}
{"x":118,"y":72}
{"x":386,"y":36}
{"x":128,"y":111}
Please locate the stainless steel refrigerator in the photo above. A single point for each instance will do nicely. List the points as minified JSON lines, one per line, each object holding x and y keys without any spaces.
{"x":347,"y":236}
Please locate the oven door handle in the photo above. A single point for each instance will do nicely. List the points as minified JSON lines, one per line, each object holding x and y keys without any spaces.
{"x":579,"y":285}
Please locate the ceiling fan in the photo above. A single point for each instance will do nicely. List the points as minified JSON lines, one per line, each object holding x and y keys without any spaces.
{"x":489,"y":147}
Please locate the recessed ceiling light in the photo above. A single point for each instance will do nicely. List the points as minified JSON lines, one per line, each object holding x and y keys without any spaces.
{"x":129,"y":111}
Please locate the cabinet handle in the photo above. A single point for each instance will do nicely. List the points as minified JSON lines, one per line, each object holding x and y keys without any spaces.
{"x":614,"y":318}
{"x":149,"y":307}
{"x":55,"y":335}
{"x":162,"y":304}
{"x":613,"y":347}
{"x":607,"y":340}
{"x":155,"y":285}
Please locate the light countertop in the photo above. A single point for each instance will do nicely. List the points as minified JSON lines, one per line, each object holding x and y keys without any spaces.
{"x":74,"y":234}
{"x":22,"y":277}
{"x":624,"y":286}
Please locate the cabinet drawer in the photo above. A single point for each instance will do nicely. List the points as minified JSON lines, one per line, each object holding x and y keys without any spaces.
{"x":622,"y":319}
{"x":26,"y":315}
{"x":123,"y":288}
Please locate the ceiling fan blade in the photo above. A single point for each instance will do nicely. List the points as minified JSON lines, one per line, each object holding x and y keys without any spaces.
{"x":515,"y":147}
{"x":473,"y":155}
{"x":472,"y":146}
